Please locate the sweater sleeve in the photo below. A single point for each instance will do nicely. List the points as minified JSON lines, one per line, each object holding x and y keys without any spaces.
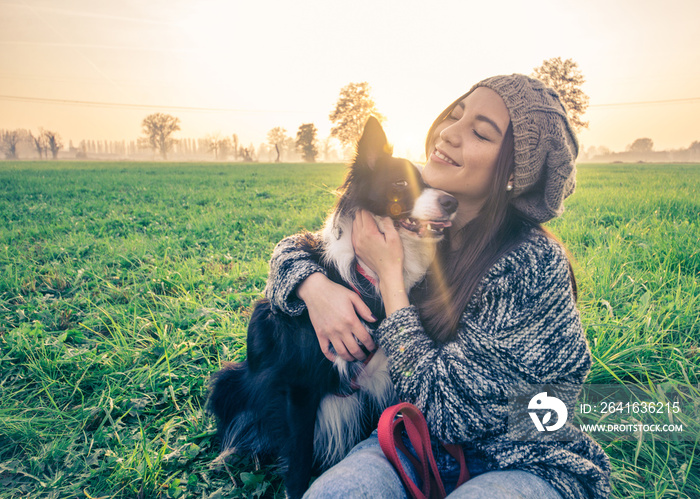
{"x":293,"y":260}
{"x":521,"y":326}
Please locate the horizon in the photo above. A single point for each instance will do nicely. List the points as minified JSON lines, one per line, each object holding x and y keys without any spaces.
{"x":244,"y":68}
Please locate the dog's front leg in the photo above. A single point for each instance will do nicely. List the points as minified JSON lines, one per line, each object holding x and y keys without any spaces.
{"x":302,"y":406}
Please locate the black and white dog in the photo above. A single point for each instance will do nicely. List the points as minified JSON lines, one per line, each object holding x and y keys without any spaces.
{"x":287,"y":400}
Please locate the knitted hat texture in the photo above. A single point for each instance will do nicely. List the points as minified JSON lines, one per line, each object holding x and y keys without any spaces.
{"x":545,"y":145}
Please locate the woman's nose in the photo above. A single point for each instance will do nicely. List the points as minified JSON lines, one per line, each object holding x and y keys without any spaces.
{"x":449,"y":134}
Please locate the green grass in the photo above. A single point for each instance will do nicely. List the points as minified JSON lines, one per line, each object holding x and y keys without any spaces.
{"x":125,"y":285}
{"x":633,"y":233}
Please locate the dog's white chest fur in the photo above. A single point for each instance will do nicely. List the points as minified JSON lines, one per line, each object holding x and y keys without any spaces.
{"x":340,"y":419}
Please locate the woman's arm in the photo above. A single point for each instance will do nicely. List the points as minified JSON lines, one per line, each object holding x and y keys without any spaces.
{"x":296,"y":281}
{"x":522,"y":328}
{"x":292,"y":261}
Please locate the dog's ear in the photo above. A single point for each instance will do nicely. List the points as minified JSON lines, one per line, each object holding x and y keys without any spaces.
{"x":373,"y":144}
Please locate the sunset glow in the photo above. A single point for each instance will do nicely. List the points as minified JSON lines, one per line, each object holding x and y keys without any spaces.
{"x":93,"y":70}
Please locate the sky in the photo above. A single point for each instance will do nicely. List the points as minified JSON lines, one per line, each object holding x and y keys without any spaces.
{"x":93,"y":69}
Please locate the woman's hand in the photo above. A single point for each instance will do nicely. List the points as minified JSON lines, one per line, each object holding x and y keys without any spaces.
{"x":382,"y":251}
{"x":333,"y":310}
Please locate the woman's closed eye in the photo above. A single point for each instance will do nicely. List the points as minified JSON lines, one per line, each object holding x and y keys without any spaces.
{"x":481,"y":137}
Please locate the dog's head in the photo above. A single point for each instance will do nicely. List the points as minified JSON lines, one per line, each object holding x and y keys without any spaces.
{"x":393,"y":187}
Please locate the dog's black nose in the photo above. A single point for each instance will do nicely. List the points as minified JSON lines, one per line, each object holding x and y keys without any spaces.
{"x":448,"y":203}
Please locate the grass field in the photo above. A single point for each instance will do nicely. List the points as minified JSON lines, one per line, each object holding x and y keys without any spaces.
{"x":125,"y":285}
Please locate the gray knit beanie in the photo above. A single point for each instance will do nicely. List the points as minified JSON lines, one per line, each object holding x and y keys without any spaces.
{"x":545,"y":145}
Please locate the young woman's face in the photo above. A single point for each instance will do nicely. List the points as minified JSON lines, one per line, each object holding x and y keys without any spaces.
{"x":465,"y":147}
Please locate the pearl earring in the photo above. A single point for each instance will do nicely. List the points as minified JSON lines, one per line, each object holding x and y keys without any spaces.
{"x":509,"y":187}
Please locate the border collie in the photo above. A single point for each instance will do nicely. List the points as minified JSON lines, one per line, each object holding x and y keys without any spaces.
{"x":287,"y":401}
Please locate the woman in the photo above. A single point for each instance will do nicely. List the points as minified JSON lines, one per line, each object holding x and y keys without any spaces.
{"x":497,"y":309}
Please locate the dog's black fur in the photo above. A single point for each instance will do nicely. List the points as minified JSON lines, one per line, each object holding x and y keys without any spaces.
{"x":287,"y":400}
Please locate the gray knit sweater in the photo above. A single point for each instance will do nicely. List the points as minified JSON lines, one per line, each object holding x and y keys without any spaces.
{"x":521,"y":326}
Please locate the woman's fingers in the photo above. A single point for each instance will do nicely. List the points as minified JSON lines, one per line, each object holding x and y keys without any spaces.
{"x":333,"y":310}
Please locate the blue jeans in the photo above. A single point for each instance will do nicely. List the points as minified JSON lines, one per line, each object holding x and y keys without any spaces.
{"x":365,"y":472}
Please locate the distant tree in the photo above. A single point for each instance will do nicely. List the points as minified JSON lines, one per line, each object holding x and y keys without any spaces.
{"x":594,"y":151}
{"x":234,"y":146}
{"x":82,"y":150}
{"x":158,"y":129}
{"x":566,"y":78}
{"x":9,"y":140}
{"x":39,"y":143}
{"x":213,"y":141}
{"x":350,"y":114}
{"x":53,"y":142}
{"x":306,"y":142}
{"x":694,"y":150}
{"x":264,"y":152}
{"x":327,"y":148}
{"x":225,"y":148}
{"x":247,"y":153}
{"x":219,"y":145}
{"x":277,"y":138}
{"x":641,"y":145}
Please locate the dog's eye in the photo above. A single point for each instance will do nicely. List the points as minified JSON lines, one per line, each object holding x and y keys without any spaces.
{"x":401,"y":184}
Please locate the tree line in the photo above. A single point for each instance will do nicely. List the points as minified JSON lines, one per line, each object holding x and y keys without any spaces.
{"x":354,"y":105}
{"x":641,"y":150}
{"x":43,"y":142}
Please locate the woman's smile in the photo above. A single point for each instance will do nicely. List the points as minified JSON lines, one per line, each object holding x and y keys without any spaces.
{"x":441,"y":156}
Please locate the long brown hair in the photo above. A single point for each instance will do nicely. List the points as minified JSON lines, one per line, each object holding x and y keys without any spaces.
{"x":455,"y":274}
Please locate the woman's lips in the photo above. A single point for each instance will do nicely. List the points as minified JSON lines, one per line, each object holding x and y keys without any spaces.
{"x":444,"y":157}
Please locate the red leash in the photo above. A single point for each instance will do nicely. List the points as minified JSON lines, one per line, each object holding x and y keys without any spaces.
{"x":408,"y":416}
